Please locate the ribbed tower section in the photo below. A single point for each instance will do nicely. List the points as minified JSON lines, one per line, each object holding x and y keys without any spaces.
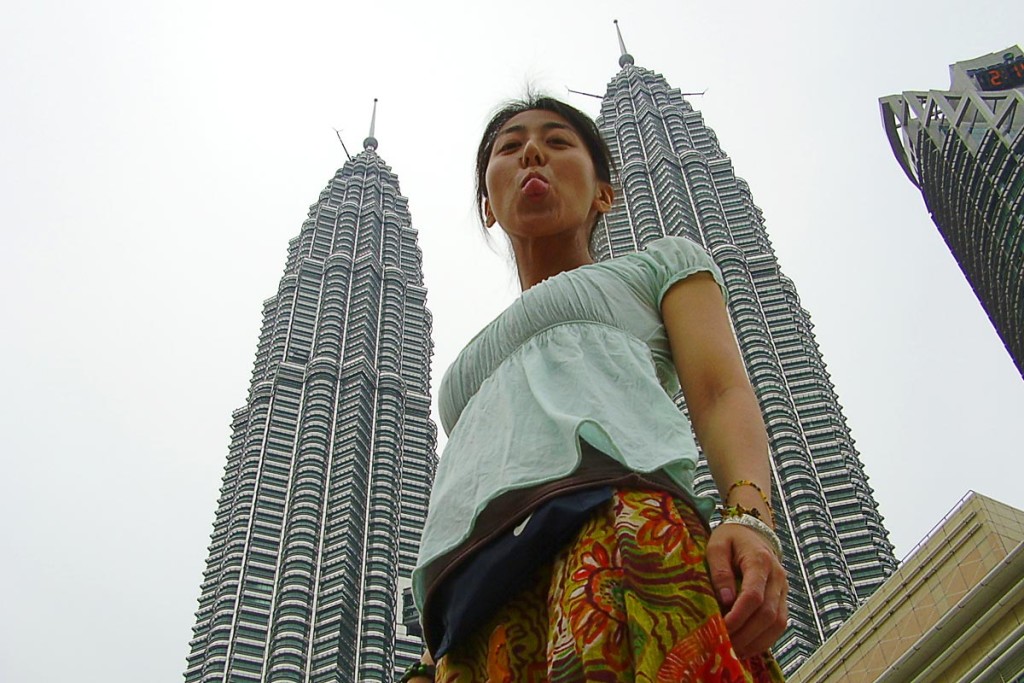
{"x":964,"y":149}
{"x":676,"y":180}
{"x":332,"y":457}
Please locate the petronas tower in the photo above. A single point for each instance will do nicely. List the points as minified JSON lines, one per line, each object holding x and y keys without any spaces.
{"x":331,"y":458}
{"x":676,"y":180}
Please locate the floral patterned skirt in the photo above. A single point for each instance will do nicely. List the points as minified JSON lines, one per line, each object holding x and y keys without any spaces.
{"x":629,"y":599}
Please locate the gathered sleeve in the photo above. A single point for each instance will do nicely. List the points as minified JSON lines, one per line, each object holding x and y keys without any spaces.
{"x":672,"y":259}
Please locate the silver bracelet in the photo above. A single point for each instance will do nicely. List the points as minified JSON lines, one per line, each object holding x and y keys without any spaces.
{"x":762,"y":529}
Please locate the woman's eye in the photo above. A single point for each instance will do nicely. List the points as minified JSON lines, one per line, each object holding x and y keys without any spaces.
{"x":508,"y":146}
{"x":558,"y":141}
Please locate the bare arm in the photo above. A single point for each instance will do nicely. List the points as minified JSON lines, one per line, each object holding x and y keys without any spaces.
{"x":722,"y":404}
{"x":728,"y":422}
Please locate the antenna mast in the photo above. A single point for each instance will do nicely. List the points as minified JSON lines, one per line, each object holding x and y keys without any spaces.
{"x":338,"y":133}
{"x":580,"y":92}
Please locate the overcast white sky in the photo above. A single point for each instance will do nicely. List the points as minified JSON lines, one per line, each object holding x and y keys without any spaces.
{"x":157,"y":158}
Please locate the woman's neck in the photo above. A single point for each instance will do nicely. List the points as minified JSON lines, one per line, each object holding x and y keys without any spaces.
{"x":538,"y":258}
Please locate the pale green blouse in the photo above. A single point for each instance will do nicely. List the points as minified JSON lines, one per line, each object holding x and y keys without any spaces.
{"x":581,"y":355}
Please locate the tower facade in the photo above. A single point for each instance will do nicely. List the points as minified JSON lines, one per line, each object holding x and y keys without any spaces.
{"x":332,"y":457}
{"x":675,"y":180}
{"x":964,"y":149}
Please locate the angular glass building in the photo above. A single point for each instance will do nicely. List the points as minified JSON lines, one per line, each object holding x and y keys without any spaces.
{"x":964,"y":149}
{"x":331,"y":458}
{"x":676,"y":180}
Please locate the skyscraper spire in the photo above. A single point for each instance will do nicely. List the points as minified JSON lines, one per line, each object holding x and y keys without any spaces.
{"x":371,"y":142}
{"x":625,"y":59}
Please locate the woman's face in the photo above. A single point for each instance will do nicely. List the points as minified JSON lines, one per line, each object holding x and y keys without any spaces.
{"x":541,"y":180}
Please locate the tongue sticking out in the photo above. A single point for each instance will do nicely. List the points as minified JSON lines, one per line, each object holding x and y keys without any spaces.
{"x":535,"y":187}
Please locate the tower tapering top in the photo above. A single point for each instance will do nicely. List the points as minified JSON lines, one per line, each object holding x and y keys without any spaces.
{"x":371,"y":142}
{"x":625,"y":59}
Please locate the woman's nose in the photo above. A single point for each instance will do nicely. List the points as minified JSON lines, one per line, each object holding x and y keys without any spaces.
{"x":532,"y":154}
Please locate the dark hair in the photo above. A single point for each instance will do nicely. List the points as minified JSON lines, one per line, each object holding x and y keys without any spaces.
{"x":604,"y":165}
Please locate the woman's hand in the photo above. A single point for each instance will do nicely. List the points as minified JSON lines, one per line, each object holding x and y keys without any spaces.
{"x":738,"y":558}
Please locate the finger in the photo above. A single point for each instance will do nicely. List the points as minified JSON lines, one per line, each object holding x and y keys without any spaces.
{"x":766,"y":639}
{"x":719,"y":558}
{"x":765,"y":626}
{"x":755,"y":568}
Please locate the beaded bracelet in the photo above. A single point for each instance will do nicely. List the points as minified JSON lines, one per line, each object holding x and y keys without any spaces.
{"x":727,"y":511}
{"x":416,"y":670}
{"x":760,"y":492}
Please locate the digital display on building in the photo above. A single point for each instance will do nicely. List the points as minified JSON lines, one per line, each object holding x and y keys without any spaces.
{"x":1009,"y":74}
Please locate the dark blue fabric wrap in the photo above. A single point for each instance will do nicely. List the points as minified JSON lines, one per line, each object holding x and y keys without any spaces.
{"x":474,"y":591}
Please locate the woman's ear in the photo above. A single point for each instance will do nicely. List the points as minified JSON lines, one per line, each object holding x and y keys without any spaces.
{"x":489,"y":219}
{"x":604,"y":198}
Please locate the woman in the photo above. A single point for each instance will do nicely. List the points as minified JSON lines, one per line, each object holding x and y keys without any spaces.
{"x":564,"y":541}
